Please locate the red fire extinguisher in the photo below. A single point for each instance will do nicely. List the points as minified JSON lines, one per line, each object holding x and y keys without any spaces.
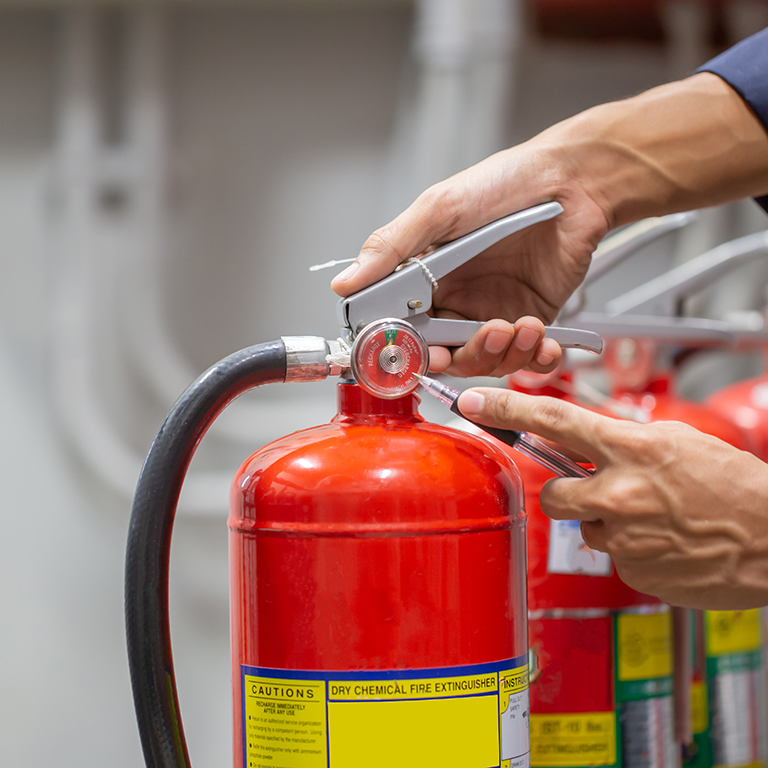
{"x":601,"y":653}
{"x":745,"y":404}
{"x":722,"y":701}
{"x":378,"y":594}
{"x":377,"y":589}
{"x":644,"y":706}
{"x":729,"y":694}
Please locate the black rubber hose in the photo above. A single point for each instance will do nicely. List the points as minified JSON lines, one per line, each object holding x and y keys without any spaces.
{"x":149,"y":543}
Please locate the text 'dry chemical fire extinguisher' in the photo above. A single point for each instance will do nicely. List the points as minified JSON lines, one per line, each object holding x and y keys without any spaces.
{"x":378,"y":595}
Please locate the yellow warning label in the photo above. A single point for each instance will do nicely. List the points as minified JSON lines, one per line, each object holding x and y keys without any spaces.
{"x":732,"y":631}
{"x":514,"y":718}
{"x":558,"y":741}
{"x":699,"y":711}
{"x":456,"y":717}
{"x":284,"y":723}
{"x":644,"y":645}
{"x":512,"y":682}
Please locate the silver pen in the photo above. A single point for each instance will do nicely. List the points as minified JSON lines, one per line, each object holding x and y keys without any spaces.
{"x":521,"y":441}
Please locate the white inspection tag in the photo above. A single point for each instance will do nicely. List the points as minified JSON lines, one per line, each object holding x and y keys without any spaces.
{"x":570,"y":555}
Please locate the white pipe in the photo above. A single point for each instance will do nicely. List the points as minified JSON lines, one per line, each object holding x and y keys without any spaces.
{"x":74,"y":364}
{"x":78,"y":140}
{"x":155,"y":355}
{"x":686,"y":23}
{"x":496,"y":32}
{"x":157,"y":358}
{"x":443,"y":50}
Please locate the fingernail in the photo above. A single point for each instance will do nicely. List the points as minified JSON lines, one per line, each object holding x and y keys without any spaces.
{"x":471,"y":403}
{"x":526,"y":339}
{"x":496,"y":342}
{"x":347,"y":273}
{"x":544,"y":359}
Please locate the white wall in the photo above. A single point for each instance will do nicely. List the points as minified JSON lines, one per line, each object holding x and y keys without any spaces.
{"x":280,"y":127}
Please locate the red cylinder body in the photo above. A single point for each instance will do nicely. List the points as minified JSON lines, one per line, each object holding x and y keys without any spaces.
{"x":603,"y":651}
{"x":745,"y":404}
{"x":384,"y":555}
{"x":660,"y":402}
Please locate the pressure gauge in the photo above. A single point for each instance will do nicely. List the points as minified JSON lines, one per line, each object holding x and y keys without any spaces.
{"x":385,"y":355}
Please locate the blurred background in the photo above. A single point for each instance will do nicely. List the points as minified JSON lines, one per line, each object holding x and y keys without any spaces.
{"x":168,"y":172}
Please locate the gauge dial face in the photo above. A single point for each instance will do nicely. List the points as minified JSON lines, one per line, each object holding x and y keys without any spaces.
{"x":385,"y":355}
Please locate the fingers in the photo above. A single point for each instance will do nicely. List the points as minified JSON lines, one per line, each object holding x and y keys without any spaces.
{"x":439,"y":359}
{"x":576,"y":428}
{"x":594,"y":535}
{"x":430,"y":219}
{"x":574,"y":499}
{"x":499,"y":348}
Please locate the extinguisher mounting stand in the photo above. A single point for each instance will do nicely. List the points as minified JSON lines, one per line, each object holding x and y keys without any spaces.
{"x":653,"y":309}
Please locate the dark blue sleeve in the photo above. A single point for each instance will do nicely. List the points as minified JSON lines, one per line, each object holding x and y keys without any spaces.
{"x":745,"y":68}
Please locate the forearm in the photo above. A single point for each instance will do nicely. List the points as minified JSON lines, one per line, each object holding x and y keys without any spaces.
{"x":689,"y":144}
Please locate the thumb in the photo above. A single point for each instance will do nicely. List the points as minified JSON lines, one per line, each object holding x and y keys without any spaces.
{"x":430,"y":219}
{"x":575,"y":428}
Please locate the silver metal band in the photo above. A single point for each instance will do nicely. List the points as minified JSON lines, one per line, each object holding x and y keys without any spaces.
{"x":305,"y":358}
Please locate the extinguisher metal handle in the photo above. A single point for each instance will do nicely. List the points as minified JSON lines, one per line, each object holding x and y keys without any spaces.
{"x":663,"y":294}
{"x":618,"y":247}
{"x":698,"y":332}
{"x":451,"y":333}
{"x":406,"y":294}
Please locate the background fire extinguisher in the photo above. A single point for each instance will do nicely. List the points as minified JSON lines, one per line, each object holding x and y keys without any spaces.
{"x":727,"y":696}
{"x":602,"y":688}
{"x":601,"y":653}
{"x":745,"y":403}
{"x":728,"y":691}
{"x":730,"y":686}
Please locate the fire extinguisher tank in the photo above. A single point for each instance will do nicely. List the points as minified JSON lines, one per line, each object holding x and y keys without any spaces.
{"x":378,"y":565}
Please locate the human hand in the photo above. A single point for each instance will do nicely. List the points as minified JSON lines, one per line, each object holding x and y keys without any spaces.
{"x":683,"y":515}
{"x":518,"y":282}
{"x":611,"y":165}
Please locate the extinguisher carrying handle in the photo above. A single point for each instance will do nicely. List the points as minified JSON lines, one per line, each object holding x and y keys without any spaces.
{"x":406,"y":294}
{"x":662,"y":295}
{"x":618,"y":247}
{"x":302,"y":358}
{"x":689,"y":331}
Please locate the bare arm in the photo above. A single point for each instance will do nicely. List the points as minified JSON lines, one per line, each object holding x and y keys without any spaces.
{"x":689,"y":144}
